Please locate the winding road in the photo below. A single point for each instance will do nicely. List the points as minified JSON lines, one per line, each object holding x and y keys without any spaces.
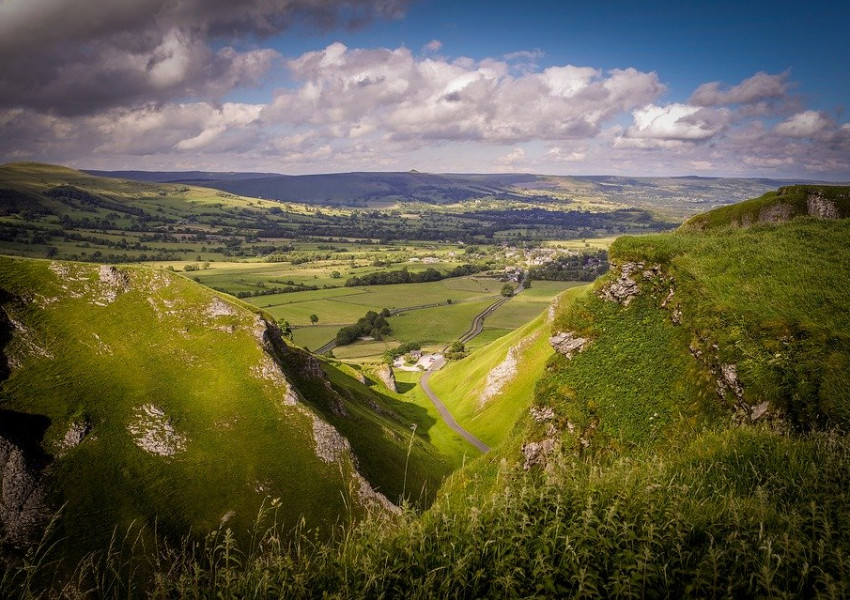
{"x":476,"y":328}
{"x":444,"y":412}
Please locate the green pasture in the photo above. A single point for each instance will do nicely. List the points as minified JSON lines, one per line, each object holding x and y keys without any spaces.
{"x":314,"y":336}
{"x":435,"y":326}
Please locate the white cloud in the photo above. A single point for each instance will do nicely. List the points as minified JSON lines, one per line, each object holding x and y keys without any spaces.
{"x":431,"y":99}
{"x":433,"y":46}
{"x":671,"y":125}
{"x":809,"y":123}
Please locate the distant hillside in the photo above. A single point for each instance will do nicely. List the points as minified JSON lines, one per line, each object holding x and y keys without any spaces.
{"x":135,"y":395}
{"x":55,"y":212}
{"x":678,"y":196}
{"x":357,"y":189}
{"x":828,"y":202}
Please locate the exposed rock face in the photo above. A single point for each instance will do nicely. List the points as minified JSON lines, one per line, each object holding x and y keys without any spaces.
{"x":775,"y":214}
{"x":23,"y":507}
{"x":313,"y":368}
{"x":219,"y":308}
{"x":541,"y":414}
{"x":387,"y":377}
{"x":153,"y":432}
{"x":728,"y":380}
{"x":535,"y":453}
{"x":330,"y":445}
{"x":501,"y":374}
{"x":76,"y":433}
{"x":818,"y":206}
{"x":372,"y":498}
{"x":625,"y":287}
{"x":567,"y":343}
{"x":113,"y":282}
{"x":759,"y":410}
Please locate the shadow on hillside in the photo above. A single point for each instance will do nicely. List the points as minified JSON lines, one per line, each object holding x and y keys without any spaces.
{"x":403,"y":387}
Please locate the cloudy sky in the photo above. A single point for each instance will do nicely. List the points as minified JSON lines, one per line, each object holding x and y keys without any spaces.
{"x":744,"y":88}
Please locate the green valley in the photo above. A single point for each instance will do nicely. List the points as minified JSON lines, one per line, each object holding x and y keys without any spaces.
{"x":675,"y":427}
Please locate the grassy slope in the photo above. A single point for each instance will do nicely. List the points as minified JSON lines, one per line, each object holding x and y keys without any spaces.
{"x":460,"y":384}
{"x":104,"y":362}
{"x":794,"y":198}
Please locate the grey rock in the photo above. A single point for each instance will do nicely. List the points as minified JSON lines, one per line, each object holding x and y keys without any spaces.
{"x":624,"y":288}
{"x":76,"y":433}
{"x":759,"y":410}
{"x":818,"y":206}
{"x":387,"y":377}
{"x":567,"y":343}
{"x":23,"y":508}
{"x":219,"y":308}
{"x":535,"y":453}
{"x":776,"y":213}
{"x":541,"y":414}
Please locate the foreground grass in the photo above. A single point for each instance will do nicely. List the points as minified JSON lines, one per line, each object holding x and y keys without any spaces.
{"x":726,"y":517}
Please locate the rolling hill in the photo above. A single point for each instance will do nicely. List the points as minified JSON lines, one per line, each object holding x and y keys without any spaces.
{"x":676,"y":196}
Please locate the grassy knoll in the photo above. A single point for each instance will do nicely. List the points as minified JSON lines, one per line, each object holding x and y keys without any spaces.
{"x":780,"y":205}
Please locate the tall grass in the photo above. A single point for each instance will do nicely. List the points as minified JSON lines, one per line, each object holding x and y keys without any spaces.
{"x":742,"y":513}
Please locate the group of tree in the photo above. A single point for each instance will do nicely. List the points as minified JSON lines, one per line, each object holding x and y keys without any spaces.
{"x":391,"y":354}
{"x":569,"y":267}
{"x":456,"y":351}
{"x":405,"y":276}
{"x":371,"y":325}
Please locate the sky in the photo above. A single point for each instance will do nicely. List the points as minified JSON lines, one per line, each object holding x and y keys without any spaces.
{"x":733,"y":89}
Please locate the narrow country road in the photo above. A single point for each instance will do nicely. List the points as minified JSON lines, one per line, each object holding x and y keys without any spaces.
{"x":478,"y":321}
{"x":477,"y":327}
{"x":444,"y":412}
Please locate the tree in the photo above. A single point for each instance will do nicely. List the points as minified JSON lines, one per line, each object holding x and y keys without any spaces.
{"x":507,"y":290}
{"x":335,"y":274}
{"x":314,"y":319}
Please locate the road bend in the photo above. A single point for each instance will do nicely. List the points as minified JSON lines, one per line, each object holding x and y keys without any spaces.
{"x":476,"y":328}
{"x":444,"y":412}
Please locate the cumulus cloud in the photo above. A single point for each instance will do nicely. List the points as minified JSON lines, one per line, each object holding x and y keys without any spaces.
{"x":806,"y":124}
{"x":758,"y":88}
{"x":672,"y":125}
{"x":77,"y":57}
{"x":433,"y":46}
{"x":429,"y":99}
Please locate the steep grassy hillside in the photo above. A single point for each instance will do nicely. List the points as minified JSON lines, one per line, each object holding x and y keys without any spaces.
{"x":830,"y":202}
{"x":687,"y":439}
{"x":135,"y":395}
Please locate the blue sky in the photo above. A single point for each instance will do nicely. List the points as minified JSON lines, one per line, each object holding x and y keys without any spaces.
{"x":307,"y":86}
